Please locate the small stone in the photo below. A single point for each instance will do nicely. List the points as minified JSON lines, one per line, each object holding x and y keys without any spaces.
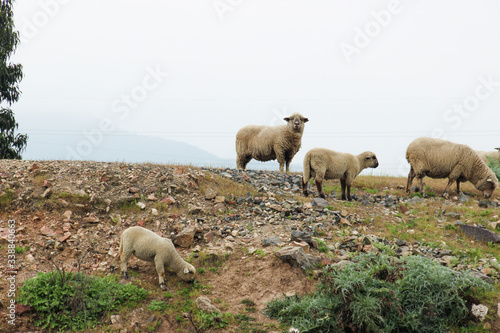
{"x":168,"y":201}
{"x":296,"y":256}
{"x":46,"y":231}
{"x":344,"y":213}
{"x":220,"y":199}
{"x":453,"y":215}
{"x":203,"y":303}
{"x":67,"y":214}
{"x":209,"y":236}
{"x":480,"y":234}
{"x":320,"y":202}
{"x":141,"y":205}
{"x":479,"y":311}
{"x":151,"y":197}
{"x":275,"y":240}
{"x":134,"y":190}
{"x":403,"y":209}
{"x":462,"y":198}
{"x":210,"y":194}
{"x":46,"y":194}
{"x":116,"y":319}
{"x":29,"y":258}
{"x":64,"y":237}
{"x":301,"y":236}
{"x":303,"y":245}
{"x":186,"y":237}
{"x":154,"y":212}
{"x":91,"y":219}
{"x":345,"y":222}
{"x":193,"y":210}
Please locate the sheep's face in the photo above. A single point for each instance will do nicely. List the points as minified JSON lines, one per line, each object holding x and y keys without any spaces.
{"x":187,"y":274}
{"x":370,"y":159}
{"x":296,"y":122}
{"x":487,"y":186}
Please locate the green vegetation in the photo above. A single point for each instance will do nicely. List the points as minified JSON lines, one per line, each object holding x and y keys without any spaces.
{"x":21,"y":250}
{"x":75,"y":301}
{"x":379,"y":293}
{"x":494,"y":165}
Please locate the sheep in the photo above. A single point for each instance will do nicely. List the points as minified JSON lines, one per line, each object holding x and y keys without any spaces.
{"x":485,"y":154}
{"x":148,"y":246}
{"x":322,"y":163}
{"x":265,"y":143}
{"x":437,"y":158}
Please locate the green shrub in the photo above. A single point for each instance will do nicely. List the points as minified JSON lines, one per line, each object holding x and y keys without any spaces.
{"x":157,"y":306}
{"x":379,"y":293}
{"x":494,"y":165}
{"x":75,"y":301}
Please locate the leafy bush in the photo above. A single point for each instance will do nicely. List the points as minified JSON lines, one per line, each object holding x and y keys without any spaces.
{"x":75,"y":301}
{"x":494,"y":165}
{"x":379,"y":293}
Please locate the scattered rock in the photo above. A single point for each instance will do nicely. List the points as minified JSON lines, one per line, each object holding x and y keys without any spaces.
{"x":479,"y":311}
{"x":46,"y":231}
{"x":141,"y":205}
{"x":319,"y":202}
{"x":462,"y":198}
{"x":480,"y":234}
{"x":275,"y":240}
{"x":203,"y":303}
{"x":403,"y":209}
{"x":301,"y":236}
{"x":297,"y":257}
{"x":210,"y":194}
{"x":186,"y":237}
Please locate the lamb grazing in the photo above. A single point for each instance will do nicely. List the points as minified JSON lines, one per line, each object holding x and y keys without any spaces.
{"x":485,"y":154}
{"x":146,"y":245}
{"x":265,"y":143}
{"x":322,"y":163}
{"x":437,"y":158}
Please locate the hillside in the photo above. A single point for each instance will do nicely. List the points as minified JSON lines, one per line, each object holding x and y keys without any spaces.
{"x":228,"y":224}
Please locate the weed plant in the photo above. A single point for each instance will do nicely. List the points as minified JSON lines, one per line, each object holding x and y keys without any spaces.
{"x":494,"y":165}
{"x":75,"y":301}
{"x":380,"y":293}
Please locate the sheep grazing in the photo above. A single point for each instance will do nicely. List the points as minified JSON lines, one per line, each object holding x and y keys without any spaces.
{"x":146,"y":245}
{"x":492,"y":154}
{"x":437,"y":158}
{"x":322,"y":163}
{"x":265,"y":143}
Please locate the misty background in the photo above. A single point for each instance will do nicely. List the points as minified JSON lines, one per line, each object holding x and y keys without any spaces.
{"x":173,"y":81}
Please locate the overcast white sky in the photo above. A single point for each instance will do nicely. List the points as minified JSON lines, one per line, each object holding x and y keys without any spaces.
{"x":369,"y":75}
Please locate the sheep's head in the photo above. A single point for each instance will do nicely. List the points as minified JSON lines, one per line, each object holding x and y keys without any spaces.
{"x":487,"y":185}
{"x":187,"y":273}
{"x":296,"y":122}
{"x":369,"y":159}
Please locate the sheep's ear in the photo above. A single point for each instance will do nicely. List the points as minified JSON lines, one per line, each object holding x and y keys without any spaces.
{"x":286,"y":119}
{"x":306,"y":120}
{"x":186,"y":270}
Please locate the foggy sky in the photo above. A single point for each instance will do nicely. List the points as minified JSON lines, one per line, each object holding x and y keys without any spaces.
{"x":368,"y":75}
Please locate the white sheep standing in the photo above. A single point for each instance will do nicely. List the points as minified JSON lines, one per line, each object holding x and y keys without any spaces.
{"x":265,"y":143}
{"x":322,"y":163}
{"x":148,"y":246}
{"x":437,"y":158}
{"x":485,"y":154}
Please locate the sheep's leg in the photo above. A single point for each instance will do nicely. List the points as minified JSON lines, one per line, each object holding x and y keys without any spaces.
{"x":305,"y":185}
{"x":242,"y":161}
{"x":288,"y":165}
{"x":458,"y":187}
{"x":160,"y":269}
{"x":348,"y":186}
{"x":319,"y":186}
{"x":343,"y":186}
{"x":411,"y":175}
{"x":124,"y":256}
{"x":422,"y":188}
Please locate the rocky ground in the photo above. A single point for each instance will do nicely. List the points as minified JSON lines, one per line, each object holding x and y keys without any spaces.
{"x":70,"y":215}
